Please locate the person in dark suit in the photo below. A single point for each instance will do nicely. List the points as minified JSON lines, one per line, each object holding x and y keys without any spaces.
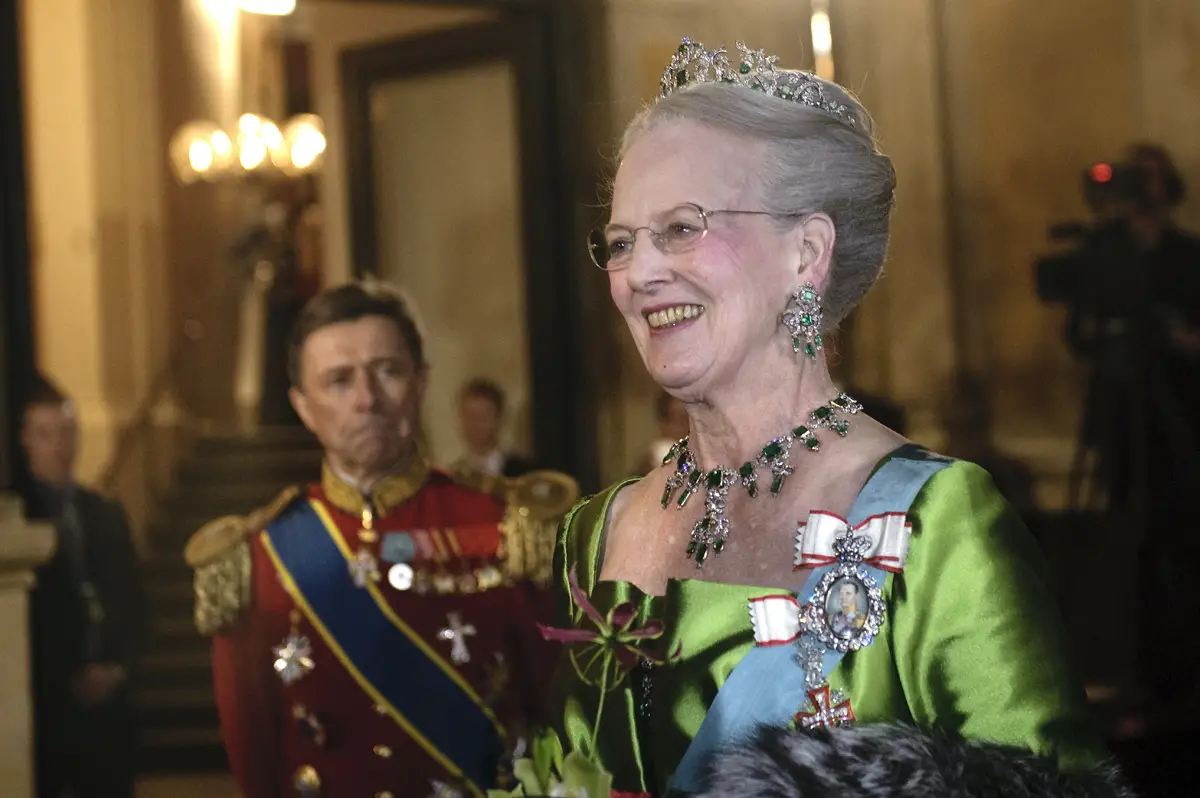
{"x":481,"y":413}
{"x":86,"y":617}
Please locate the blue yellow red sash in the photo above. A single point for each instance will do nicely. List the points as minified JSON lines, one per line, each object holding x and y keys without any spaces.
{"x":768,"y":684}
{"x":425,"y":695}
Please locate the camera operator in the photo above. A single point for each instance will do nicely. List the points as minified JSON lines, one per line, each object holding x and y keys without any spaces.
{"x":1164,"y":344}
{"x":1169,"y":573}
{"x":1172,"y":254}
{"x":1132,"y":288}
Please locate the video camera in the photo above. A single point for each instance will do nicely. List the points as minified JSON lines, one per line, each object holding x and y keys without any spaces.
{"x":1086,"y":275}
{"x":1113,"y":186}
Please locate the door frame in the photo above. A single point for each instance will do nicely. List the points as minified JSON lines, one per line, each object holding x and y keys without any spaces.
{"x":17,"y":363}
{"x":560,"y":401}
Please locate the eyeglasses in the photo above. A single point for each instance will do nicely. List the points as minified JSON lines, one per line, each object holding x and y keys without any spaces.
{"x":683,"y":227}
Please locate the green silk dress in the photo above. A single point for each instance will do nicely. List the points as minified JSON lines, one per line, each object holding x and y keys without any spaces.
{"x":971,"y":642}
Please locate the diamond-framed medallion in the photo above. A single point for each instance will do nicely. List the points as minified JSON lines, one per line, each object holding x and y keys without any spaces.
{"x":847,"y":608}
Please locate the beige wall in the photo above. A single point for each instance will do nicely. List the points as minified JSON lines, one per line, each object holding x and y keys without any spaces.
{"x":96,"y":206}
{"x":330,"y":28}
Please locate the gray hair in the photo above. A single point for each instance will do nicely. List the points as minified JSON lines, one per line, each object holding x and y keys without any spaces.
{"x":812,"y":163}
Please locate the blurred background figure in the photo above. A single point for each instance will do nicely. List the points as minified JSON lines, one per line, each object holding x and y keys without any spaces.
{"x":1130,"y":283}
{"x":481,"y":405}
{"x":86,"y":617}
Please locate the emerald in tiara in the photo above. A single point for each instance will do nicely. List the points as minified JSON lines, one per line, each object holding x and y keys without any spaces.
{"x":753,"y":69}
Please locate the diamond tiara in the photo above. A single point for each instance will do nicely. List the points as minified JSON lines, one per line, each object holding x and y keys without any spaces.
{"x":755,"y":70}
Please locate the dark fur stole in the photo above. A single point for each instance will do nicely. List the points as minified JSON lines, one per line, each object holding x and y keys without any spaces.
{"x":895,"y":761}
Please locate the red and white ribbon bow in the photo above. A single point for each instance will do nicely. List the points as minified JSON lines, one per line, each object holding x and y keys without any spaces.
{"x":776,"y":619}
{"x":887,"y":535}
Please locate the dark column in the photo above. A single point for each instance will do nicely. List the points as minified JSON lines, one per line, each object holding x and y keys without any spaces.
{"x":16,"y":320}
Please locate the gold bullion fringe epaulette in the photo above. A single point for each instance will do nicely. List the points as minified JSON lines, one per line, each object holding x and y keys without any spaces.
{"x":536,"y":504}
{"x":219,"y":554}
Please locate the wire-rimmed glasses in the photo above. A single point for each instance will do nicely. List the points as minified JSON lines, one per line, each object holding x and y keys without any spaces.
{"x":681,"y":228}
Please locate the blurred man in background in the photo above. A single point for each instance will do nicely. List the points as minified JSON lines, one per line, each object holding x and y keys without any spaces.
{"x":87,"y":616}
{"x":481,"y":406}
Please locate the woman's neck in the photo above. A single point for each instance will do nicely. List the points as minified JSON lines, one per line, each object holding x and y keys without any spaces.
{"x":731,"y":426}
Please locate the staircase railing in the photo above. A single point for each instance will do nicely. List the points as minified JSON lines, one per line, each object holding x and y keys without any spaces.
{"x":150,"y":444}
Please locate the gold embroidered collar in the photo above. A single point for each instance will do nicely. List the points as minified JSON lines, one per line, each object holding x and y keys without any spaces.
{"x":388,"y":494}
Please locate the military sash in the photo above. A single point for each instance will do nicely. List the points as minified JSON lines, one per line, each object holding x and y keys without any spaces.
{"x":774,"y":679}
{"x":398,"y":669}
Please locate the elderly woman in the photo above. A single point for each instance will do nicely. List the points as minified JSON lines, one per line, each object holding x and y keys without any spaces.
{"x":750,"y":213}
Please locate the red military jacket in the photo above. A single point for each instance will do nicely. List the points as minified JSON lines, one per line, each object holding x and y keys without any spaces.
{"x":383,"y":647}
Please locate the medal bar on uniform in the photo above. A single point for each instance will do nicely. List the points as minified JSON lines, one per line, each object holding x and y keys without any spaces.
{"x":414,"y":547}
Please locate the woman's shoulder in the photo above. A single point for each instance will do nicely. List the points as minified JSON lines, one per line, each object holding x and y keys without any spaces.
{"x":930,"y":476}
{"x":584,"y":525}
{"x":953,"y":501}
{"x":962,"y":521}
{"x":958,"y":487}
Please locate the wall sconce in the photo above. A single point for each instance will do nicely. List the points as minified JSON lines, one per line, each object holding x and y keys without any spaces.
{"x":259,"y":143}
{"x":201,"y":151}
{"x":303,"y":144}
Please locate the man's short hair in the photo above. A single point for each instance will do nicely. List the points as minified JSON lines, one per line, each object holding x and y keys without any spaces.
{"x":352,"y":302}
{"x":43,"y":392}
{"x":483,"y":389}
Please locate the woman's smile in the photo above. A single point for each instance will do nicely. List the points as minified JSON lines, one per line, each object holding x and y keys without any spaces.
{"x":663,"y":318}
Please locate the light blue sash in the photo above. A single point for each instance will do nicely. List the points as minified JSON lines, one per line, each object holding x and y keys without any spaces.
{"x":767,"y":687}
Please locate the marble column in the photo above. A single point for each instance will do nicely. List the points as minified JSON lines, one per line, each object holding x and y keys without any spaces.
{"x":23,"y":546}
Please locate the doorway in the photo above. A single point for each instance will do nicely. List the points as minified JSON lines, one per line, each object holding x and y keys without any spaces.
{"x":452,"y":199}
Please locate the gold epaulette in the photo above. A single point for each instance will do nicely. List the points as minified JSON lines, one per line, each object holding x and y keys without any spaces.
{"x":219,"y":554}
{"x":536,"y":504}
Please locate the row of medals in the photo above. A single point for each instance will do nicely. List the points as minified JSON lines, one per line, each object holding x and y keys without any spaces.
{"x":403,"y":576}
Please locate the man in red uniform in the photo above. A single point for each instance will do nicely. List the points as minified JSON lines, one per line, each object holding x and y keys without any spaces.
{"x":372,"y":633}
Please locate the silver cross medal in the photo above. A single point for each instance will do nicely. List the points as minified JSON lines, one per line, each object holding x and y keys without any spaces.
{"x":293,"y":658}
{"x":364,"y":568}
{"x":457,"y":635}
